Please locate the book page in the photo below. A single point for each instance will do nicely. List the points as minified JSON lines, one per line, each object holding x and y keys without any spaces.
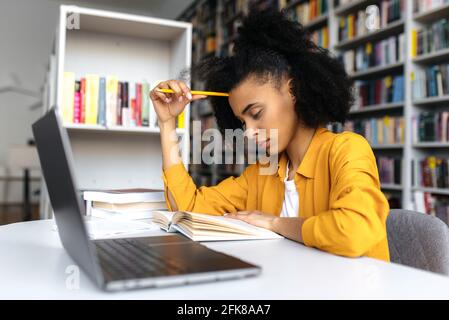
{"x":207,"y":227}
{"x":163,"y":219}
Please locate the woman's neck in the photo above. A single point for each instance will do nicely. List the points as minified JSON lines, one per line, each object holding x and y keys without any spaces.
{"x":298,"y":145}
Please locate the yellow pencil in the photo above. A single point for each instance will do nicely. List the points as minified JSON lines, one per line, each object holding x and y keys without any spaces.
{"x":193,"y":92}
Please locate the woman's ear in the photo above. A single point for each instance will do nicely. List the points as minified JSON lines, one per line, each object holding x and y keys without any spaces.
{"x":290,"y":89}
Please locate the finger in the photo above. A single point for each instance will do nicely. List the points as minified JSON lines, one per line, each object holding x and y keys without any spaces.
{"x":155,"y":94}
{"x":231,"y":215}
{"x":185,"y":90}
{"x":176,"y":88}
{"x":163,"y":85}
{"x":198,"y":97}
{"x":162,"y":97}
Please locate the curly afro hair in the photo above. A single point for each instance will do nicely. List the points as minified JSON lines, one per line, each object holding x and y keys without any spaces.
{"x":269,"y":46}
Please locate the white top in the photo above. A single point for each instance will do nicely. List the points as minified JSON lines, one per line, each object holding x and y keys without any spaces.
{"x":35,"y":266}
{"x":290,"y":207}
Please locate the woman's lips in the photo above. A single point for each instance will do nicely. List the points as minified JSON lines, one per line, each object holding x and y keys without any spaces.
{"x":264,"y":144}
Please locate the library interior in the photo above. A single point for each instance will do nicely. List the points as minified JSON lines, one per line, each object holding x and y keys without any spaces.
{"x":98,"y":65}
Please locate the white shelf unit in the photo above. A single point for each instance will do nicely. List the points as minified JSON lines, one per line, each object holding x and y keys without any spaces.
{"x":133,"y":48}
{"x":420,"y":150}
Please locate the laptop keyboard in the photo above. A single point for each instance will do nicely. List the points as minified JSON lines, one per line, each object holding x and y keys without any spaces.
{"x":131,"y":259}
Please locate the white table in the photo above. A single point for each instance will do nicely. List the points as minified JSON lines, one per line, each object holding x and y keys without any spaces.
{"x":33,"y":265}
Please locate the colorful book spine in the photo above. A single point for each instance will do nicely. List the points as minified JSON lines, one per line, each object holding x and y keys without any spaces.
{"x":145,"y":104}
{"x":133,"y":117}
{"x":92,"y":93}
{"x":102,"y":102}
{"x":181,"y":120}
{"x":139,"y":104}
{"x":119,"y":103}
{"x":83,"y":100}
{"x":68,"y":97}
{"x":125,"y":105}
{"x":77,"y":103}
{"x":111,"y":100}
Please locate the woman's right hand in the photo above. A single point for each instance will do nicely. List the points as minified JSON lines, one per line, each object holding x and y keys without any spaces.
{"x":169,"y":105}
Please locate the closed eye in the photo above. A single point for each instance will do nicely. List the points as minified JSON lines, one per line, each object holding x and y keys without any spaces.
{"x":257,"y":115}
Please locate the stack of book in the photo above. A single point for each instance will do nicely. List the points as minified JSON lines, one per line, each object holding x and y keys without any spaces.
{"x":433,"y":81}
{"x":377,"y":54}
{"x":106,"y":101}
{"x":430,"y":38}
{"x":389,"y":89}
{"x":124,"y":204}
{"x":430,"y":126}
{"x":354,"y":24}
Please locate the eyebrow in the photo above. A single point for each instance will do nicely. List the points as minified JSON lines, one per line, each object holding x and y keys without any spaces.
{"x":248,"y":107}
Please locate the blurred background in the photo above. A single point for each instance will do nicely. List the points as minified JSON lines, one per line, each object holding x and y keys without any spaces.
{"x":27,"y":31}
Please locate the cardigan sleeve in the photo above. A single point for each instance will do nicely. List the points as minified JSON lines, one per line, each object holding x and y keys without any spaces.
{"x":356,"y":220}
{"x":228,"y":196}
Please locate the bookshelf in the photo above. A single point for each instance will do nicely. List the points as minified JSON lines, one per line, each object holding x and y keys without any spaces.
{"x":399,"y":24}
{"x":134,"y":49}
{"x":428,"y":184}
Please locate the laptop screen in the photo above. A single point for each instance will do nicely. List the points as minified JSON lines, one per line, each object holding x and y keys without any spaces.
{"x":55,"y":157}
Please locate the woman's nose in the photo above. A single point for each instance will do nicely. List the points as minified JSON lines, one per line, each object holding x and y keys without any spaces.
{"x":251,"y":133}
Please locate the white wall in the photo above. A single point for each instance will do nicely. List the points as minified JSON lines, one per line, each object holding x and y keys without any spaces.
{"x":26,"y":37}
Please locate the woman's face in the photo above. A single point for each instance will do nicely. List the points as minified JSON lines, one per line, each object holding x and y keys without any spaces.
{"x":262,"y":107}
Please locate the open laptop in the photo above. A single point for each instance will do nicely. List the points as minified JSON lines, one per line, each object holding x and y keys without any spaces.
{"x":127,"y":263}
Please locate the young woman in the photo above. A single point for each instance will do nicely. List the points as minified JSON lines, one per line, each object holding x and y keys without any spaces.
{"x":325,"y":192}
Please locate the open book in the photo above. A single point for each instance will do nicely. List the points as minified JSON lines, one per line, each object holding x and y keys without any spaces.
{"x":203,"y":227}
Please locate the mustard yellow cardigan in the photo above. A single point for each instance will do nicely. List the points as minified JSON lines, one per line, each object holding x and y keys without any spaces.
{"x":339,"y":195}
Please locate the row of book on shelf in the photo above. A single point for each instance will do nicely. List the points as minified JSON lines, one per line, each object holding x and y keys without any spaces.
{"x":431,"y":172}
{"x":430,"y":126}
{"x":420,"y":6}
{"x":378,"y":131}
{"x":307,"y":11}
{"x":321,"y":37}
{"x":374,"y":54}
{"x":354,"y":24}
{"x":430,"y":38}
{"x":389,"y":169}
{"x":388,"y":89}
{"x":106,"y":101}
{"x":431,"y":81}
{"x":434,"y":205}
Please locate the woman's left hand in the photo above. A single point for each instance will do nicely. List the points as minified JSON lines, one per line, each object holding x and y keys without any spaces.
{"x":256,"y":218}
